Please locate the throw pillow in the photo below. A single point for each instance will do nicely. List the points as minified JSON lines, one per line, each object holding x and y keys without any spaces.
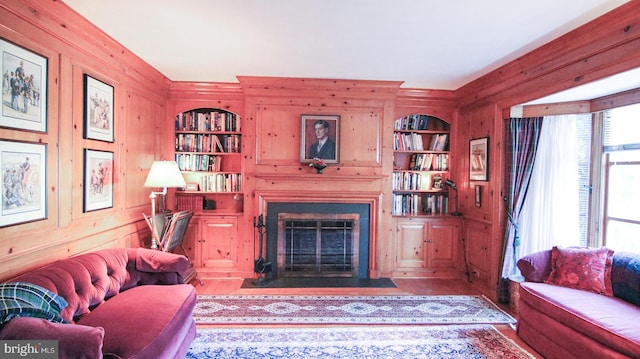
{"x":22,"y":299}
{"x":582,"y":268}
{"x":625,"y":276}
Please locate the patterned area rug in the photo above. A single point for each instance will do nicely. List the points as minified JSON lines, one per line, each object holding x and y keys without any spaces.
{"x":397,"y":309}
{"x":453,"y":341}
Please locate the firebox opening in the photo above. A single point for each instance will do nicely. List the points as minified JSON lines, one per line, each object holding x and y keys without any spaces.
{"x":318,"y":245}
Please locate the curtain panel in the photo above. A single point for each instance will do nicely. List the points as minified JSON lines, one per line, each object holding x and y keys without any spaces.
{"x":521,"y":146}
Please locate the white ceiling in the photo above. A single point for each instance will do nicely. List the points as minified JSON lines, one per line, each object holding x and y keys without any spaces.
{"x":431,"y":44}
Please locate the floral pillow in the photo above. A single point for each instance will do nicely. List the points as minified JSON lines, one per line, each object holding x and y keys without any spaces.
{"x":582,"y":268}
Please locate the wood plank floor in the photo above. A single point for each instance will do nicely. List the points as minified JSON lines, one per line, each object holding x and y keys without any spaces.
{"x":404,"y":287}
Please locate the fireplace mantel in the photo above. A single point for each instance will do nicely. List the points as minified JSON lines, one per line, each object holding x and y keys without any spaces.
{"x":312,"y":177}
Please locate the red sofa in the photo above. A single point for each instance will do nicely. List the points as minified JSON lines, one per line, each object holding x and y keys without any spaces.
{"x":562,"y":322}
{"x":120,"y":303}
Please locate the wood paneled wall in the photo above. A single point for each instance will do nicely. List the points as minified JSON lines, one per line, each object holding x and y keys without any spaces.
{"x":146,"y":101}
{"x":273,"y":110}
{"x":74,"y":47}
{"x":606,"y":46}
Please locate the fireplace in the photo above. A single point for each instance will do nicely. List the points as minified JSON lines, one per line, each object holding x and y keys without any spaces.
{"x":318,"y":239}
{"x":318,"y":245}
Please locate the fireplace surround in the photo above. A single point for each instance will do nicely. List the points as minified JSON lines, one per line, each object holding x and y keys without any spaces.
{"x":358,"y":212}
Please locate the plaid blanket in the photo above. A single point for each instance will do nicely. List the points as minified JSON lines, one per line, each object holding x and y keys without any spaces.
{"x":21,"y":299}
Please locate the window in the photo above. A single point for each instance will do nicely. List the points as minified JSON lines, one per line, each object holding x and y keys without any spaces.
{"x":620,"y":191}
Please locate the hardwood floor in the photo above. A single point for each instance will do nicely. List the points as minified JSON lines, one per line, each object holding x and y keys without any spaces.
{"x":404,"y":287}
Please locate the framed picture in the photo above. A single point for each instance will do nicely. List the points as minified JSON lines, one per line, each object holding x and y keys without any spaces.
{"x":98,"y":110}
{"x":320,"y":138}
{"x":98,"y":180}
{"x":478,"y":196}
{"x":479,"y":159}
{"x":24,"y":88}
{"x":24,"y":182}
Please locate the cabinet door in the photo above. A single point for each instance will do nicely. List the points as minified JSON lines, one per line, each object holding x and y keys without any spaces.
{"x":191,"y":242}
{"x":219,"y":243}
{"x":411,"y":245}
{"x":441,"y":240}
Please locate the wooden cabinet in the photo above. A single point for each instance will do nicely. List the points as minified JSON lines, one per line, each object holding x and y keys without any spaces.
{"x":427,"y":247}
{"x":212,"y":243}
{"x":420,"y":165}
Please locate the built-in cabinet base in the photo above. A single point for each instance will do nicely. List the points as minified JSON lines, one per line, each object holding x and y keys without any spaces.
{"x":212,"y":243}
{"x":427,"y":247}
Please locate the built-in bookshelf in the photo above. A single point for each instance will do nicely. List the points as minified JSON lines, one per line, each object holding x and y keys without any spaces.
{"x":208,"y":144}
{"x":421,"y":165}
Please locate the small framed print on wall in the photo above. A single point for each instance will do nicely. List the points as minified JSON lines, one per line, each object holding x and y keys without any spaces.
{"x":24,"y":182}
{"x":479,"y":159}
{"x":98,"y":180}
{"x":320,"y":138}
{"x":24,"y":88}
{"x":98,"y":110}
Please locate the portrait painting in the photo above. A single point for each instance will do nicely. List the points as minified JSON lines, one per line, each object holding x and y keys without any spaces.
{"x":319,"y":138}
{"x":98,"y":180}
{"x":24,"y":180}
{"x":98,"y":115}
{"x":24,"y":88}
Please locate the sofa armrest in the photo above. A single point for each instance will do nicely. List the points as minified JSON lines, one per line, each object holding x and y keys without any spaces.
{"x":74,"y":341}
{"x":151,"y":266}
{"x":536,"y":267}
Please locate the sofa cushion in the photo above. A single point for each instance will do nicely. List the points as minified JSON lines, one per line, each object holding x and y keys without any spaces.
{"x":74,"y":341}
{"x":582,"y":268}
{"x":625,"y":276}
{"x":20,"y":299}
{"x":145,"y":321}
{"x":608,"y":320}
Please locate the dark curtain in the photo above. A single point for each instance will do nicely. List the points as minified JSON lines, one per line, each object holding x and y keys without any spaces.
{"x":521,"y":146}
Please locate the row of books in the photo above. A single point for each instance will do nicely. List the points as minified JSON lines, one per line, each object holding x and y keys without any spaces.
{"x":412,"y":122}
{"x":193,"y":203}
{"x":416,"y":181}
{"x":429,"y":162}
{"x":412,"y":141}
{"x":221,"y":182}
{"x":420,"y":204}
{"x":188,"y":142}
{"x":198,"y":162}
{"x":205,"y":120}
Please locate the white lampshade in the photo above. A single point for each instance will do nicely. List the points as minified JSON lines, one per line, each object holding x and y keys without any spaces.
{"x":164,"y":174}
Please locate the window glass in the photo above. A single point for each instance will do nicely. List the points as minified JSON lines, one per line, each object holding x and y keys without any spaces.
{"x":622,"y":126}
{"x":621,"y":137}
{"x":623,"y":192}
{"x":622,"y":236}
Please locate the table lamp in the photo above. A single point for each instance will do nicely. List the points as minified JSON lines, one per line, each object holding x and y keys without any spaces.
{"x":163,"y":174}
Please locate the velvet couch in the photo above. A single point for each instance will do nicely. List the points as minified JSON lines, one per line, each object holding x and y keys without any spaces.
{"x":112,"y":303}
{"x":576,"y":320}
